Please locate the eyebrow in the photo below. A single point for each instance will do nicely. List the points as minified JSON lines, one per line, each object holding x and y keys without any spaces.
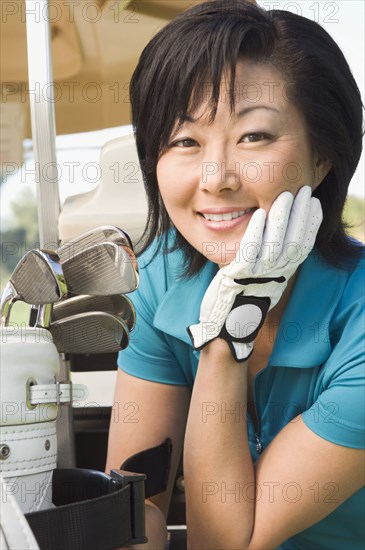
{"x":240,"y":114}
{"x":246,"y":110}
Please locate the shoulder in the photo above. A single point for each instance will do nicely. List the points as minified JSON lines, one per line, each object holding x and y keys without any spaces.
{"x":339,"y":408}
{"x":158,"y":259}
{"x":343,"y":290}
{"x":356,"y":275}
{"x":353,"y":292}
{"x":346,"y":329}
{"x":339,"y":284}
{"x":158,"y":270}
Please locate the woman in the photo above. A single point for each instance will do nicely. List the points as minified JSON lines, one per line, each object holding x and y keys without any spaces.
{"x":240,"y":115}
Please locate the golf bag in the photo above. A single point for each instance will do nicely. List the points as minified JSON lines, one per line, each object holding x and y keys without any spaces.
{"x":30,"y":395}
{"x":75,"y":508}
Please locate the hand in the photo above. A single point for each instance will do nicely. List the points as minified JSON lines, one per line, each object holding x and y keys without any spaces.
{"x":240,"y":295}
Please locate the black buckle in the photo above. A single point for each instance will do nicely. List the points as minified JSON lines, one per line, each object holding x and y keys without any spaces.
{"x":121,"y":478}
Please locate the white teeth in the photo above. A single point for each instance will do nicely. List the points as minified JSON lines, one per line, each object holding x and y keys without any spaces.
{"x":225,"y":217}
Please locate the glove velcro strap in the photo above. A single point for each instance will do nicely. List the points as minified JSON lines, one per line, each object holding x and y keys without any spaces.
{"x":260,"y":281}
{"x":245,"y":319}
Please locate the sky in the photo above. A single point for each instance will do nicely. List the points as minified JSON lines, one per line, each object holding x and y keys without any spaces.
{"x":343,"y":20}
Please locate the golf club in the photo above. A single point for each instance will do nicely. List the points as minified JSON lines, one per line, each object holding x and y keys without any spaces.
{"x":37,"y":279}
{"x":90,"y":332}
{"x":118,"y":305}
{"x":103,"y":269}
{"x":87,"y":269}
{"x":104,"y":233}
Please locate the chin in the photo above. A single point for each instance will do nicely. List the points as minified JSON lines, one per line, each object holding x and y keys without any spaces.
{"x":221,"y":259}
{"x":220,"y":253}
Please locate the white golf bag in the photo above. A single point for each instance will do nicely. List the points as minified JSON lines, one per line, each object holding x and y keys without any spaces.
{"x":30,"y":394}
{"x":42,"y":506}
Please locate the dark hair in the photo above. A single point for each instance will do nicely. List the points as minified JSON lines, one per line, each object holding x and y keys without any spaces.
{"x":198,"y":47}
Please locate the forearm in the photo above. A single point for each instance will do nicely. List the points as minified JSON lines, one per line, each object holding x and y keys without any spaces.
{"x":217,"y":461}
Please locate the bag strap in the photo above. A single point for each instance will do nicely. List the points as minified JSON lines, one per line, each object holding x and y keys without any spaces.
{"x":59,"y":392}
{"x":155,"y":463}
{"x":109,"y":514}
{"x":95,"y":511}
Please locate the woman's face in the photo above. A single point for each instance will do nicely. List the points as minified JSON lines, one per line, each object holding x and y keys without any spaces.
{"x":213,"y":176}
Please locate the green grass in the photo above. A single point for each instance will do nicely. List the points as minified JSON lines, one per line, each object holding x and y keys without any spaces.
{"x":354,"y":214}
{"x":20,"y":313}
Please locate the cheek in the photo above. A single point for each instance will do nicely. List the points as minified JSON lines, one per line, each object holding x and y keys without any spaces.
{"x":165,"y":181}
{"x":281,"y":170}
{"x":174,"y":187}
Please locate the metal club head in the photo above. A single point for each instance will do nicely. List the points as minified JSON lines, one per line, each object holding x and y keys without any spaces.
{"x":90,"y":332}
{"x":118,"y":305}
{"x":104,"y":233}
{"x":37,"y":279}
{"x":103,"y":269}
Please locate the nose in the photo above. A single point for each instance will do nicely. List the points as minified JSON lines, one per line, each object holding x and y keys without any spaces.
{"x":220,"y":172}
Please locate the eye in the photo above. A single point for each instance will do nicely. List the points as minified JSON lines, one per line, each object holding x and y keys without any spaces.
{"x":184,"y":143}
{"x":253,"y":137}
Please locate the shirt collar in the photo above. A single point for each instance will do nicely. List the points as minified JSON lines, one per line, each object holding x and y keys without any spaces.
{"x":180,"y":306}
{"x":305,"y":321}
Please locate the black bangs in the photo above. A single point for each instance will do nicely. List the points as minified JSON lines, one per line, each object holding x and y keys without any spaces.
{"x":213,"y":72}
{"x":184,"y":64}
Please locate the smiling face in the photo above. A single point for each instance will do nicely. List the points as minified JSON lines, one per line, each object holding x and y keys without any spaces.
{"x":213,"y":175}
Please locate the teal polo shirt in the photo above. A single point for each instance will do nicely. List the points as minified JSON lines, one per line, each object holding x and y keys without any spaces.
{"x":316,"y":366}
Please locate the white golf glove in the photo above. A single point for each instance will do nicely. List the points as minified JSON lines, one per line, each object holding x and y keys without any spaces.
{"x":240,"y":295}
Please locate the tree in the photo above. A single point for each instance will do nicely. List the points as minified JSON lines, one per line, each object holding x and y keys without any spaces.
{"x":21,"y":236}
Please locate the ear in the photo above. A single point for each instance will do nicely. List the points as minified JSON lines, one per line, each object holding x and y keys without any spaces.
{"x":321,"y":169}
